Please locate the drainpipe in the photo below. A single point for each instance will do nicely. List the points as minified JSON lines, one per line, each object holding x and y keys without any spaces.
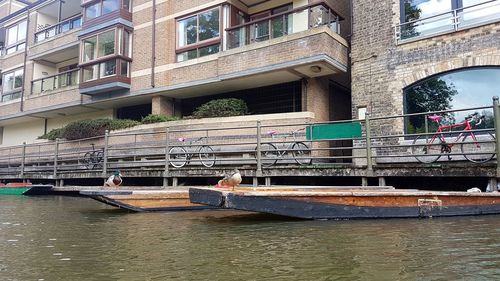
{"x":25,"y":61}
{"x":153,"y":47}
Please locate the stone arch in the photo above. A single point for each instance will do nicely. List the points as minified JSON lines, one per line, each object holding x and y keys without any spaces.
{"x":456,"y":64}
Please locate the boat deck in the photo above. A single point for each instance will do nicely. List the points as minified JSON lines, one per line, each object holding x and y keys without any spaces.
{"x":349,"y":202}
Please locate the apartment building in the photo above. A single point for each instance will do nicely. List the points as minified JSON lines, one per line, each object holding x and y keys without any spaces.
{"x":70,"y":60}
{"x":411,"y":56}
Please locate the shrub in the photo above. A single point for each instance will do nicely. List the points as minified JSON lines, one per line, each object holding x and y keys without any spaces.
{"x":221,"y":108}
{"x":93,"y":128}
{"x":155,"y":118}
{"x":52,"y":134}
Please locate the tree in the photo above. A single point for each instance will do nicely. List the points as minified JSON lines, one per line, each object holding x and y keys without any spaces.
{"x":431,"y":95}
{"x":411,"y":13}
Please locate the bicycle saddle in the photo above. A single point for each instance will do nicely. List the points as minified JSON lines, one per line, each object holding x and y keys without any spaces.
{"x":272,"y":132}
{"x":181,"y":139}
{"x":435,"y":118}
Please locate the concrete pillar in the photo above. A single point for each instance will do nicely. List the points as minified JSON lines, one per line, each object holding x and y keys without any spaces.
{"x":163,"y":106}
{"x":316,"y":98}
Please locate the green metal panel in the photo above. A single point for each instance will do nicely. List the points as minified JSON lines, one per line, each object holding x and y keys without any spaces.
{"x":335,"y":131}
{"x":13,"y":190}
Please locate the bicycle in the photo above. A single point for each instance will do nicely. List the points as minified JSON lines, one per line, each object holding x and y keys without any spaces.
{"x":94,"y":159}
{"x":178,"y":156}
{"x":270,"y":153}
{"x":471,"y":145}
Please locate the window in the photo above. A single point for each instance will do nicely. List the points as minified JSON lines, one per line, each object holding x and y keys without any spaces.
{"x":99,"y":46}
{"x":198,"y":35}
{"x":106,"y":43}
{"x":12,"y":84}
{"x":106,"y":54}
{"x":100,"y":8}
{"x":93,"y":11}
{"x":16,"y":37}
{"x":461,"y":89}
{"x":416,"y":13}
{"x":109,"y":6}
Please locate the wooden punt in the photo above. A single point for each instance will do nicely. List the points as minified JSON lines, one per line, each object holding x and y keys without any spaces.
{"x":146,"y":200}
{"x":350,"y":202}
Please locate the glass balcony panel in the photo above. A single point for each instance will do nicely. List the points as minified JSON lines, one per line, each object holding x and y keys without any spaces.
{"x":428,"y":27}
{"x":479,"y":14}
{"x":281,"y":25}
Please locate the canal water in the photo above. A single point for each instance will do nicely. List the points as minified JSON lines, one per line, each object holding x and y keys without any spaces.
{"x":68,"y":238}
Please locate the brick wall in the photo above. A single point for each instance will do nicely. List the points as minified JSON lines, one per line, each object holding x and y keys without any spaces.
{"x":381,"y":69}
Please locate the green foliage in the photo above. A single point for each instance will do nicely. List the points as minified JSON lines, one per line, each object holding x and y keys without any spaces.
{"x":155,"y":118}
{"x":411,"y":13}
{"x":431,"y":95}
{"x":93,"y":128}
{"x":53,"y":134}
{"x":221,"y":108}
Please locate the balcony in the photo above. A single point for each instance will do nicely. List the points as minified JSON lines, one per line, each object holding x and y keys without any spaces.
{"x":61,"y":80}
{"x":282,"y":24}
{"x":455,"y":20}
{"x":58,"y":28}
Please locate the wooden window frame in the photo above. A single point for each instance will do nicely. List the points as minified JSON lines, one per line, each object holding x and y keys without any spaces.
{"x":198,"y":44}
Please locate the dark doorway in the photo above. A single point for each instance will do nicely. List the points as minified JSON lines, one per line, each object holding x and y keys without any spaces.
{"x":279,"y":98}
{"x":136,"y":112}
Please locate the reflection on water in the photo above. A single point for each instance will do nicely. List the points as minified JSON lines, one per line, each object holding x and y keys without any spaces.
{"x":61,"y":238}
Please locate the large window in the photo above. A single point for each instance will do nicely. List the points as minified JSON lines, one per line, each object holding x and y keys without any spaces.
{"x":106,"y":54}
{"x":198,"y":35}
{"x":100,"y":8}
{"x":99,"y":45}
{"x":16,"y":37}
{"x":429,"y":17}
{"x":12,"y":84}
{"x":462,"y":89}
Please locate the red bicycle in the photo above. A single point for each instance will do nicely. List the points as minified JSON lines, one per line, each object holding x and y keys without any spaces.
{"x":478,"y":148}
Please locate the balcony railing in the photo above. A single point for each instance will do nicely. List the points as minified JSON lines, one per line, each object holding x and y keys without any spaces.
{"x":282,"y":24}
{"x":54,"y":82}
{"x":452,"y":21}
{"x":61,"y":27}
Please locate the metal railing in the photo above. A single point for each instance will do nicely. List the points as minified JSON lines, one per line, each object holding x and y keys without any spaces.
{"x":54,"y":82}
{"x":266,"y":147}
{"x":58,"y":28}
{"x":281,"y":24}
{"x":454,"y":20}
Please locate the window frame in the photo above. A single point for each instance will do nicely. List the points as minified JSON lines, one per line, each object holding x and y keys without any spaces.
{"x":455,"y":4}
{"x":18,"y":42}
{"x":100,"y":4}
{"x":14,"y":90}
{"x":199,"y":44}
{"x":96,"y":35}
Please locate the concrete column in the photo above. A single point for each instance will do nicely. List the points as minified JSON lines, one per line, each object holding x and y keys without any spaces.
{"x":163,"y":106}
{"x":317,"y":98}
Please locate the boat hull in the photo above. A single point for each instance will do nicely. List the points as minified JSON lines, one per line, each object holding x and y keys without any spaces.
{"x":147,"y":201}
{"x":353,"y":204}
{"x":13,"y":190}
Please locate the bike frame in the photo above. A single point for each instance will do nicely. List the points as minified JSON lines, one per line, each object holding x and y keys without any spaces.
{"x":439,"y":133}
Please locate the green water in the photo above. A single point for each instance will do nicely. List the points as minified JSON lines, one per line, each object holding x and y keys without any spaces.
{"x":64,"y":238}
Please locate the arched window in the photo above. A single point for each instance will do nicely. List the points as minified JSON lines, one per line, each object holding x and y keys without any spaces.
{"x":461,"y":89}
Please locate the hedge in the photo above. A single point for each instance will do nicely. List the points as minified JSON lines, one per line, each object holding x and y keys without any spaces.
{"x":221,"y":108}
{"x":155,"y":118}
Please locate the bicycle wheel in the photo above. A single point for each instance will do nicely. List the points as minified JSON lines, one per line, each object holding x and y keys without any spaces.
{"x":426,"y":152}
{"x":87,"y":160}
{"x":207,"y":156}
{"x":98,"y":159}
{"x":268,"y":154}
{"x":177,"y":156}
{"x":301,"y":153}
{"x":479,"y":148}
